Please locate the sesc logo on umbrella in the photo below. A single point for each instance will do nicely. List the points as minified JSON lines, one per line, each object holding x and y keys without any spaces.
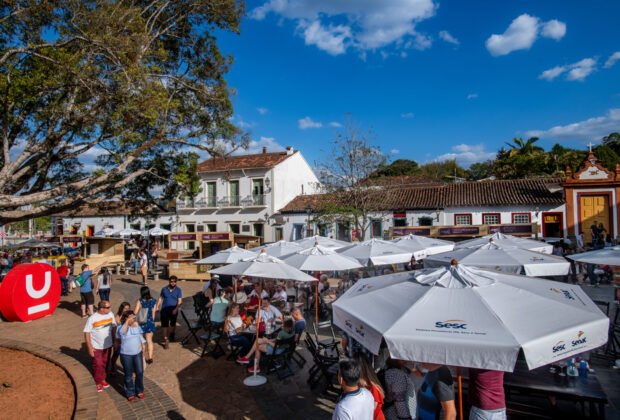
{"x":456,"y":324}
{"x":559,"y":346}
{"x":580,"y":340}
{"x":567,"y":293}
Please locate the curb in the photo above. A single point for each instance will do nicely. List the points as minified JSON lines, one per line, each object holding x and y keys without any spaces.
{"x":86,"y":396}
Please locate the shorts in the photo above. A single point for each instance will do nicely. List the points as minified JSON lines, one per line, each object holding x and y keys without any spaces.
{"x":87,"y":298}
{"x":144,"y":270}
{"x":168,"y":319}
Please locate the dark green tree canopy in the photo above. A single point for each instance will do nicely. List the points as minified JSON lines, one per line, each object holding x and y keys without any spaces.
{"x":134,"y":82}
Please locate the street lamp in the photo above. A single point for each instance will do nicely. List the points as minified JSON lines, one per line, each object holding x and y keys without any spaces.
{"x":308,"y":212}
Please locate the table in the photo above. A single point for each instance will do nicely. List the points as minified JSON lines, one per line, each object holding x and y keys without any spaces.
{"x":542,"y":382}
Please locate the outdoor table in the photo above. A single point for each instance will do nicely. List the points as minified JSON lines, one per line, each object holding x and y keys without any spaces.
{"x":542,"y":382}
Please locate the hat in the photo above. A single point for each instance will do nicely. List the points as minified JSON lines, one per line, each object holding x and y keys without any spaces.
{"x":241,"y":298}
{"x":215,"y":277}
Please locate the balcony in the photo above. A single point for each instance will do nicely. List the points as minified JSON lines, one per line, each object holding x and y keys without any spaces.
{"x":229,"y":201}
{"x":205,"y":203}
{"x":254,"y":200}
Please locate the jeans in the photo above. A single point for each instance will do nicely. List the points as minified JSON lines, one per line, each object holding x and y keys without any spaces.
{"x":64,"y":282}
{"x":241,"y":341}
{"x":100,"y":364}
{"x":136,"y":267}
{"x":479,"y":414}
{"x":132,"y":363}
{"x":104,"y":294}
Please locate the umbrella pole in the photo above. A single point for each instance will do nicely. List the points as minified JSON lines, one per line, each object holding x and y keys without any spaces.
{"x":256,"y":380}
{"x":235,"y":289}
{"x":316,"y":303}
{"x":459,"y":381}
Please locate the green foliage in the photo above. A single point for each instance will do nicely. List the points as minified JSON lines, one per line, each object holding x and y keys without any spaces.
{"x":445,"y":171}
{"x":187,"y":174}
{"x":400,"y":167}
{"x":480,"y":170}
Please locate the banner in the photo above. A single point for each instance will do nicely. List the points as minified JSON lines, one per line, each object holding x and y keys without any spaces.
{"x":415,"y":231}
{"x":465,"y":230}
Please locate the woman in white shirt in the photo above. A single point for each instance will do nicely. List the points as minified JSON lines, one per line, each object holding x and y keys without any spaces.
{"x":233,"y":327}
{"x":104,"y":280}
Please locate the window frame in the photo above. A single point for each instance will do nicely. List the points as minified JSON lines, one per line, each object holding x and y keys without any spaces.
{"x":499,"y":218}
{"x":529,"y":218}
{"x":456,"y":215}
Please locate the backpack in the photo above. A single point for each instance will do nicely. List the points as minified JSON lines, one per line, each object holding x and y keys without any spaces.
{"x":143,"y":315}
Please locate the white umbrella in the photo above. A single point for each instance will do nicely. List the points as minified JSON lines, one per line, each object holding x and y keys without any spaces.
{"x":421,"y":246}
{"x":158,"y":232}
{"x":377,"y":252}
{"x":463,"y":316}
{"x":106,"y":232}
{"x":319,"y":258}
{"x":605,"y":256}
{"x":503,"y":240}
{"x":227,"y":256}
{"x":507,"y":260}
{"x":280,"y":248}
{"x":263,"y":266}
{"x":128,"y":232}
{"x":310,"y":241}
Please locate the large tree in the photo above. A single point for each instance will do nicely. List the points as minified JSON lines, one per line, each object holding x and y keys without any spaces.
{"x":132,"y":83}
{"x":344,"y":175}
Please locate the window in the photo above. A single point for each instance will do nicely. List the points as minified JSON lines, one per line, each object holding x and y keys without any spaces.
{"x":190,"y":227}
{"x":258,"y":192}
{"x":400,"y":218}
{"x":258,"y":229}
{"x":135,"y":226}
{"x":211,"y":194}
{"x":298,"y":231}
{"x":376,"y":228}
{"x":521,"y":218}
{"x":211,"y":227}
{"x":279,"y":234}
{"x":462,"y":219}
{"x":400,"y":222}
{"x":322,"y":229}
{"x":234,"y":193}
{"x":234,"y":227}
{"x":491,"y":219}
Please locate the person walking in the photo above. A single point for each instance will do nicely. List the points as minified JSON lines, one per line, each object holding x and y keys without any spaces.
{"x":400,"y":396}
{"x":86,"y":291}
{"x":98,"y":333}
{"x":370,"y":381}
{"x":118,"y":317}
{"x":63,"y":272}
{"x":145,"y":310}
{"x":168,"y":304}
{"x":104,"y":281}
{"x":132,"y":359}
{"x":355,"y":403}
{"x":154,"y":257}
{"x":144,"y":266}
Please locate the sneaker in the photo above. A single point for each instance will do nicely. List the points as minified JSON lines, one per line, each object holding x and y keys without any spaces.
{"x":105,"y":385}
{"x":243,"y":360}
{"x":141,"y":396}
{"x":99,"y":387}
{"x":130,"y":399}
{"x":251,"y":369}
{"x":166,"y":344}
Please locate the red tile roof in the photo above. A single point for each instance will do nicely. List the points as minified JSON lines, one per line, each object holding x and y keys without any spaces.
{"x":227,"y":163}
{"x":535,"y":191}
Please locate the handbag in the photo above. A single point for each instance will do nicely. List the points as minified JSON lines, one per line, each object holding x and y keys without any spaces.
{"x":143,"y":316}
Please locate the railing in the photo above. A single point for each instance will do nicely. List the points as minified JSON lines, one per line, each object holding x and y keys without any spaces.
{"x":206,"y":202}
{"x":259,"y":200}
{"x":181,"y":204}
{"x":234,"y":200}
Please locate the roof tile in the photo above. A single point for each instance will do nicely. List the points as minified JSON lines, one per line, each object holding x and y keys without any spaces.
{"x":227,"y":163}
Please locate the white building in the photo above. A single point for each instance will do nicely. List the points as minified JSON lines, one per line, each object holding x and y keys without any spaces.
{"x":241,"y":193}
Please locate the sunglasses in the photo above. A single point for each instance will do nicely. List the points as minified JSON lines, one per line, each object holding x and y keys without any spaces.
{"x":106,"y":307}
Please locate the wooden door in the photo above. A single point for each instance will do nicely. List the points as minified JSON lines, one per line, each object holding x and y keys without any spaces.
{"x":593,"y":208}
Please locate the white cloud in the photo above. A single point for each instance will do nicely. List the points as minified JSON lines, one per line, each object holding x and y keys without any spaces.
{"x":522,"y":33}
{"x":262,"y":111}
{"x":335,"y":124}
{"x":466,"y":154}
{"x":256,"y":146}
{"x":394,"y":152}
{"x":586,"y":130}
{"x":307,"y":122}
{"x":407,"y":115}
{"x":612,"y":60}
{"x":241,"y":123}
{"x":336,"y":26}
{"x":574,"y":72}
{"x":447,"y":36}
{"x":472,"y":96}
{"x":553,"y":29}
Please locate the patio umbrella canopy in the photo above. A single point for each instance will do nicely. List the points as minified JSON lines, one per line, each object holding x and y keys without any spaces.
{"x":227,"y":256}
{"x":325,"y":242}
{"x":503,"y":240}
{"x":34,"y":243}
{"x":605,"y":256}
{"x":106,"y":232}
{"x":158,"y":232}
{"x":280,"y":248}
{"x":467,"y":317}
{"x":127,"y":232}
{"x":377,"y":252}
{"x":319,"y":258}
{"x":507,"y":260}
{"x":263,"y":266}
{"x":421,"y":246}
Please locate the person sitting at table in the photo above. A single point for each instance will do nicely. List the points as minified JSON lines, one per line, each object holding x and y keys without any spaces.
{"x":486,"y":394}
{"x":299,"y":321}
{"x":268,"y":312}
{"x":218,"y":306}
{"x":234,"y":326}
{"x":323,"y":284}
{"x":211,"y":287}
{"x":279,"y":295}
{"x":267,"y":345}
{"x":258,"y":289}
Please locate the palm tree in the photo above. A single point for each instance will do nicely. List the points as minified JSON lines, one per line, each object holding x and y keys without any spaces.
{"x":520,"y":147}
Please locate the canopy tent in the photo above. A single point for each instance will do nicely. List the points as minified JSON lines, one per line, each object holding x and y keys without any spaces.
{"x":280,"y":248}
{"x":467,"y":317}
{"x":319,"y":258}
{"x":377,"y":252}
{"x":421,"y":246}
{"x":605,"y":256}
{"x":503,"y":240}
{"x":507,"y":260}
{"x":228,"y":256}
{"x":325,"y":242}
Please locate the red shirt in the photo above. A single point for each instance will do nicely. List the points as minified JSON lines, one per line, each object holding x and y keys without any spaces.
{"x":63,"y":270}
{"x":486,"y":389}
{"x":378,"y":414}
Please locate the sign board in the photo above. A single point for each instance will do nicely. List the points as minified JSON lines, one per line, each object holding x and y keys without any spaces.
{"x":511,"y":229}
{"x":183,"y":237}
{"x":399,"y":215}
{"x":465,"y":230}
{"x":221,"y":236}
{"x":414,"y":231}
{"x":29,"y":292}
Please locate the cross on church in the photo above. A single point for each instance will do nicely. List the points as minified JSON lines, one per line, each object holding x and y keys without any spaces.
{"x":590,"y":144}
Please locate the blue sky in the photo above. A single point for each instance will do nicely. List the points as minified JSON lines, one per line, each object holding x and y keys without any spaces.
{"x":429,"y":79}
